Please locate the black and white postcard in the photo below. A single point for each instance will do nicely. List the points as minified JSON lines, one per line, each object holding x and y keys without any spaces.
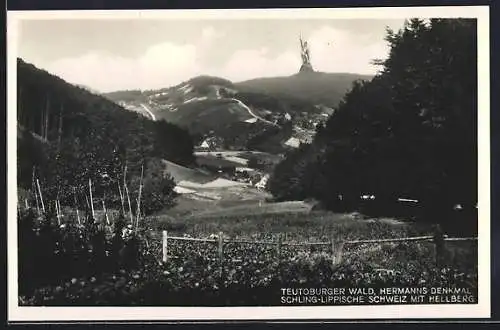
{"x":286,"y":164}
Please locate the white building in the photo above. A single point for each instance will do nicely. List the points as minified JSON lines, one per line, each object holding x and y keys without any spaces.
{"x":263,"y":182}
{"x":293,"y":142}
{"x":205,"y":145}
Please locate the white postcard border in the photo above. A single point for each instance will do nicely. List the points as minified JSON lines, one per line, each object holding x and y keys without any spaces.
{"x":70,"y":314}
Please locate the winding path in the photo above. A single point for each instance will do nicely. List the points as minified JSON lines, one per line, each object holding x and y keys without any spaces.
{"x":148,"y":111}
{"x":244,"y":106}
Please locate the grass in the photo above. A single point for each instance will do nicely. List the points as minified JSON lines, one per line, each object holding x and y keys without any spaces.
{"x":317,"y":225}
{"x":322,"y":226}
{"x":214,"y":161}
{"x":255,"y":209}
{"x":181,"y":173}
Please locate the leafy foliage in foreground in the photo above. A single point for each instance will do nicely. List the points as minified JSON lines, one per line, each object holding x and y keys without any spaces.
{"x":50,"y":253}
{"x":129,"y":272}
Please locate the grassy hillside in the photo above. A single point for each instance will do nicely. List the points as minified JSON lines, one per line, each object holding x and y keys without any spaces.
{"x":180,"y":173}
{"x":260,"y":114}
{"x":205,"y":115}
{"x":316,"y":87}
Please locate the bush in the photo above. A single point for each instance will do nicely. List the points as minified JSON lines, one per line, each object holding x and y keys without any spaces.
{"x":49,"y":253}
{"x":158,"y":189}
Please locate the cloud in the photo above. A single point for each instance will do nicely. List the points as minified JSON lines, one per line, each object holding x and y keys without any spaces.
{"x":96,"y":70}
{"x":252,"y":63}
{"x":167,"y":64}
{"x":161,"y":65}
{"x":210,"y":34}
{"x":334,"y":50}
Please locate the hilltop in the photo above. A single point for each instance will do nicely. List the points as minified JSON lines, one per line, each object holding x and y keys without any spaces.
{"x":267,"y":114}
{"x":312,"y":86}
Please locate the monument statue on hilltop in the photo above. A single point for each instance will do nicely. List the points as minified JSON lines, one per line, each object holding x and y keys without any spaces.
{"x":306,"y":58}
{"x":304,"y":51}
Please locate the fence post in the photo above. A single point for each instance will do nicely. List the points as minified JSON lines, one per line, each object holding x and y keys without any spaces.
{"x":165,"y":246}
{"x":91,"y":199}
{"x":57,"y":213}
{"x":439,"y":244}
{"x":37,"y":204}
{"x":41,"y":196}
{"x":278,"y":248}
{"x":59,"y":207}
{"x":221,"y":255}
{"x":105,"y":212}
{"x":337,"y":251}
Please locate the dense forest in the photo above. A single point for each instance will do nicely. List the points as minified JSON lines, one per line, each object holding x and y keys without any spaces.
{"x":67,"y":135}
{"x":410,"y":132}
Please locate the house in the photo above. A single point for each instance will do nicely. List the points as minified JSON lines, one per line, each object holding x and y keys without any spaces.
{"x":204,"y":145}
{"x":293,"y":142}
{"x":245,"y":169}
{"x":252,"y":120}
{"x":210,"y":142}
{"x":263,"y":182}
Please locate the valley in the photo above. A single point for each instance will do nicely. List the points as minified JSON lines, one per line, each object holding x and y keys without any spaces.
{"x":230,"y":173}
{"x":211,"y":192}
{"x":239,"y":136}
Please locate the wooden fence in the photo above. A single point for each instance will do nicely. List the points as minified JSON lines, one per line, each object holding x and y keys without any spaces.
{"x":336,"y":247}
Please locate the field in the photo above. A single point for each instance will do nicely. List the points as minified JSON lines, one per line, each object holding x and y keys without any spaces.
{"x":181,"y":173}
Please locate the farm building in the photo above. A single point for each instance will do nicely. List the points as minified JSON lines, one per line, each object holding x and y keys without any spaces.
{"x":245,"y":169}
{"x":204,"y":145}
{"x":263,"y":182}
{"x":293,"y":142}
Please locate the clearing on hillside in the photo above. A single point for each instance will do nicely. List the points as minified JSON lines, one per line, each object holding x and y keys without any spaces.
{"x":181,"y":173}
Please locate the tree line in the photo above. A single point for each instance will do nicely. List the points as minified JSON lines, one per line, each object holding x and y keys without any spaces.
{"x":67,"y":135}
{"x":410,"y":132}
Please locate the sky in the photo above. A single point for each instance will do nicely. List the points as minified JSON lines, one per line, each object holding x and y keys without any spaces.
{"x":108,"y":55}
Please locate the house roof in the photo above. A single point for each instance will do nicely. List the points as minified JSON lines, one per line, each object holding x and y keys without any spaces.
{"x":293,"y":142}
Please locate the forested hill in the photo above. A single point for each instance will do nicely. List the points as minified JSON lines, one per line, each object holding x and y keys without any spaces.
{"x":314,"y":87}
{"x":87,"y":135}
{"x":411,"y":132}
